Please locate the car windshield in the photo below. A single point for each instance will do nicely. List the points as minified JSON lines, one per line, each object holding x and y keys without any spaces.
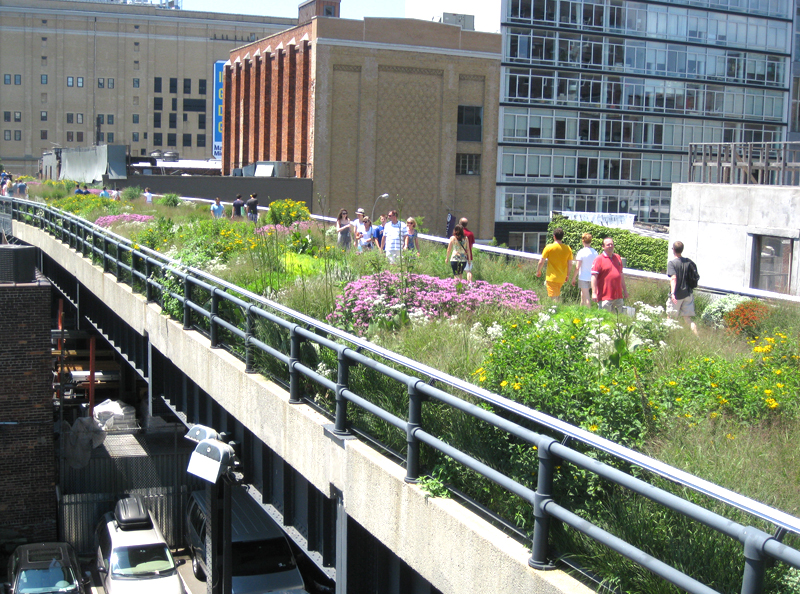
{"x":55,"y":578}
{"x":141,"y":560}
{"x":263,"y":556}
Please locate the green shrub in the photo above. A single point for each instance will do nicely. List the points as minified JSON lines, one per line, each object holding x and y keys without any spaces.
{"x":642,"y":253}
{"x":172,"y":200}
{"x":747,"y":318}
{"x":131,"y":193}
{"x":286,"y":212}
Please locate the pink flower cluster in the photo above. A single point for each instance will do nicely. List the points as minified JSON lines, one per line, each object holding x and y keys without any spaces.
{"x":122,"y":218}
{"x":296,"y":226}
{"x":382,"y":295}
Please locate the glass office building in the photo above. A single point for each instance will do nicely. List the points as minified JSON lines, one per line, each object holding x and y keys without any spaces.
{"x":601,"y":99}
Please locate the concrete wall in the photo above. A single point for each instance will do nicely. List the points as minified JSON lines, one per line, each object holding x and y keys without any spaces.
{"x":717,"y":222}
{"x":268,"y":189}
{"x":451,"y":547}
{"x":28,"y":496}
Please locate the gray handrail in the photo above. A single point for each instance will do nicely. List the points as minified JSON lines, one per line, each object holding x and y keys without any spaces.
{"x":757,"y":544}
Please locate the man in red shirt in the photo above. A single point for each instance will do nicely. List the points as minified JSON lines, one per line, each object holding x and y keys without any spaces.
{"x":471,"y":240}
{"x":608,"y":282}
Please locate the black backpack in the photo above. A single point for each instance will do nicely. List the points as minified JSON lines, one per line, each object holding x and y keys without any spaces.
{"x":692,"y":276}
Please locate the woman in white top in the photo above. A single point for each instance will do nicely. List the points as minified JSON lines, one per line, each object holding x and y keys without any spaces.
{"x":366,"y":235}
{"x":583,"y":269}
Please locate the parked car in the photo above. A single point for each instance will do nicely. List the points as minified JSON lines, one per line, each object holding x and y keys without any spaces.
{"x":132,"y":555}
{"x":262,"y":558}
{"x":44,"y":568}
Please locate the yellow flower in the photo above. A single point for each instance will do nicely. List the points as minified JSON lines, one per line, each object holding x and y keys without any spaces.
{"x":777,"y":371}
{"x":767,"y":392}
{"x":631,"y":388}
{"x":730,"y":436}
{"x":576,"y":321}
{"x":482,"y":378}
{"x":503,"y":384}
{"x":673,"y":383}
{"x":713,"y":385}
{"x":513,"y":325}
{"x":688,"y":416}
{"x":714,"y":415}
{"x":678,"y":399}
{"x":779,"y":385}
{"x":771,"y":403}
{"x":478,"y":371}
{"x":593,"y":428}
{"x":517,"y":385}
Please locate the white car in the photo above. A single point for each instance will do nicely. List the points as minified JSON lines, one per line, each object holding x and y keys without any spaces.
{"x":132,"y":555}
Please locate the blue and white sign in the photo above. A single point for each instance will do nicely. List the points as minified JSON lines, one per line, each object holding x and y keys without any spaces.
{"x":219,"y":80}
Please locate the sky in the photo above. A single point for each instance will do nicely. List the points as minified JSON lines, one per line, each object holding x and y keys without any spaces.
{"x":486,"y":12}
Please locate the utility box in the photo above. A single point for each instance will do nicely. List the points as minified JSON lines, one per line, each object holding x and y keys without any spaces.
{"x":17,"y":263}
{"x":269,"y":169}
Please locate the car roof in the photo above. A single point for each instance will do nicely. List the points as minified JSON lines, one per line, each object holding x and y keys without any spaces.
{"x":249,"y":521}
{"x":41,"y":554}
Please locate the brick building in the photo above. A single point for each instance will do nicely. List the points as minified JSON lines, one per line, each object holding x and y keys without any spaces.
{"x":28,"y":497}
{"x":397,"y":106}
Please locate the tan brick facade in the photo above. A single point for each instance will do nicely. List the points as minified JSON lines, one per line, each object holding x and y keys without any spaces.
{"x":370,"y":107}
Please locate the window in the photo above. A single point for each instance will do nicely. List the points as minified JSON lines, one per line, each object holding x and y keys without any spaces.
{"x":157,"y":84}
{"x":156,"y":120}
{"x":201,"y":121}
{"x":44,"y":79}
{"x":43,"y":116}
{"x":135,"y":137}
{"x":136,"y":64}
{"x":772,"y":263}
{"x":110,"y":119}
{"x":187,"y":140}
{"x":158,"y":103}
{"x":17,"y":135}
{"x":43,"y":134}
{"x":157,"y":139}
{"x":70,"y":118}
{"x":172,"y":140}
{"x":6,"y":79}
{"x":468,"y":164}
{"x":6,"y":134}
{"x":100,"y":137}
{"x":173,"y":85}
{"x":6,"y":116}
{"x":201,"y":140}
{"x":101,"y":82}
{"x":533,"y":243}
{"x":136,"y":118}
{"x":44,"y":41}
{"x":79,"y":118}
{"x":44,"y":97}
{"x":110,"y":83}
{"x":174,"y":104}
{"x":187,"y":86}
{"x":145,"y":136}
{"x":142,"y":152}
{"x":173,"y":120}
{"x":101,"y":119}
{"x":135,"y":83}
{"x":186,"y":117}
{"x":17,"y":79}
{"x":70,"y":136}
{"x":44,"y":60}
{"x":194,"y":105}
{"x":201,"y":86}
{"x":110,"y":137}
{"x":79,"y":136}
{"x":470,"y":123}
{"x":79,"y":81}
{"x":136,"y":46}
{"x":17,"y":116}
{"x":330,"y":11}
{"x":70,"y":81}
{"x":136,"y":99}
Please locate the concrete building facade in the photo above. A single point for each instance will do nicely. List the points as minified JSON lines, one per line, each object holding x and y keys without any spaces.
{"x":395,"y":106}
{"x":76,"y":74}
{"x":601,"y":99}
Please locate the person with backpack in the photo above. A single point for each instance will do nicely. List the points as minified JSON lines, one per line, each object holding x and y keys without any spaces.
{"x":683,"y":279}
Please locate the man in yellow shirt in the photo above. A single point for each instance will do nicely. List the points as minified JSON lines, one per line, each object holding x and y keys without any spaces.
{"x":558,"y":256}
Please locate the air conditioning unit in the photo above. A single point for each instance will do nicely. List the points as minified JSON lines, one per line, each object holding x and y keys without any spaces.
{"x":17,"y":263}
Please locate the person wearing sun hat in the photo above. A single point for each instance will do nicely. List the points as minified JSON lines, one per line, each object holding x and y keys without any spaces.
{"x":358,"y":224}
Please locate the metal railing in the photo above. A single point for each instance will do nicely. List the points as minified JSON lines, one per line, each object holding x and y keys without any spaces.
{"x":137,"y":266}
{"x":765,"y":163}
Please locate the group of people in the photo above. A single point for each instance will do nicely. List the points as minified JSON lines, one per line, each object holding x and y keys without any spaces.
{"x":239,"y":208}
{"x":391,"y":236}
{"x":10,"y":188}
{"x":601,"y":279}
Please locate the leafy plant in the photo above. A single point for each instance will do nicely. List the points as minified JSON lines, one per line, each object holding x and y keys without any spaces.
{"x":172,"y":200}
{"x":131,"y":193}
{"x":432,"y":484}
{"x":714,"y":314}
{"x":746,"y":318}
{"x":286,"y":212}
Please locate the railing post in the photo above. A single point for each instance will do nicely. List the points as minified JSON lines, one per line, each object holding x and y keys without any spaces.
{"x":187,"y":297}
{"x":148,"y":287}
{"x":342,"y":381}
{"x":754,"y":563}
{"x":105,"y":254}
{"x":248,"y":348}
{"x":414,"y":422}
{"x":213,"y":329}
{"x":294,"y":375}
{"x":544,"y":494}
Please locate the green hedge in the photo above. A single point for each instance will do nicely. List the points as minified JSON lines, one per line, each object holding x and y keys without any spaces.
{"x":641,"y":253}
